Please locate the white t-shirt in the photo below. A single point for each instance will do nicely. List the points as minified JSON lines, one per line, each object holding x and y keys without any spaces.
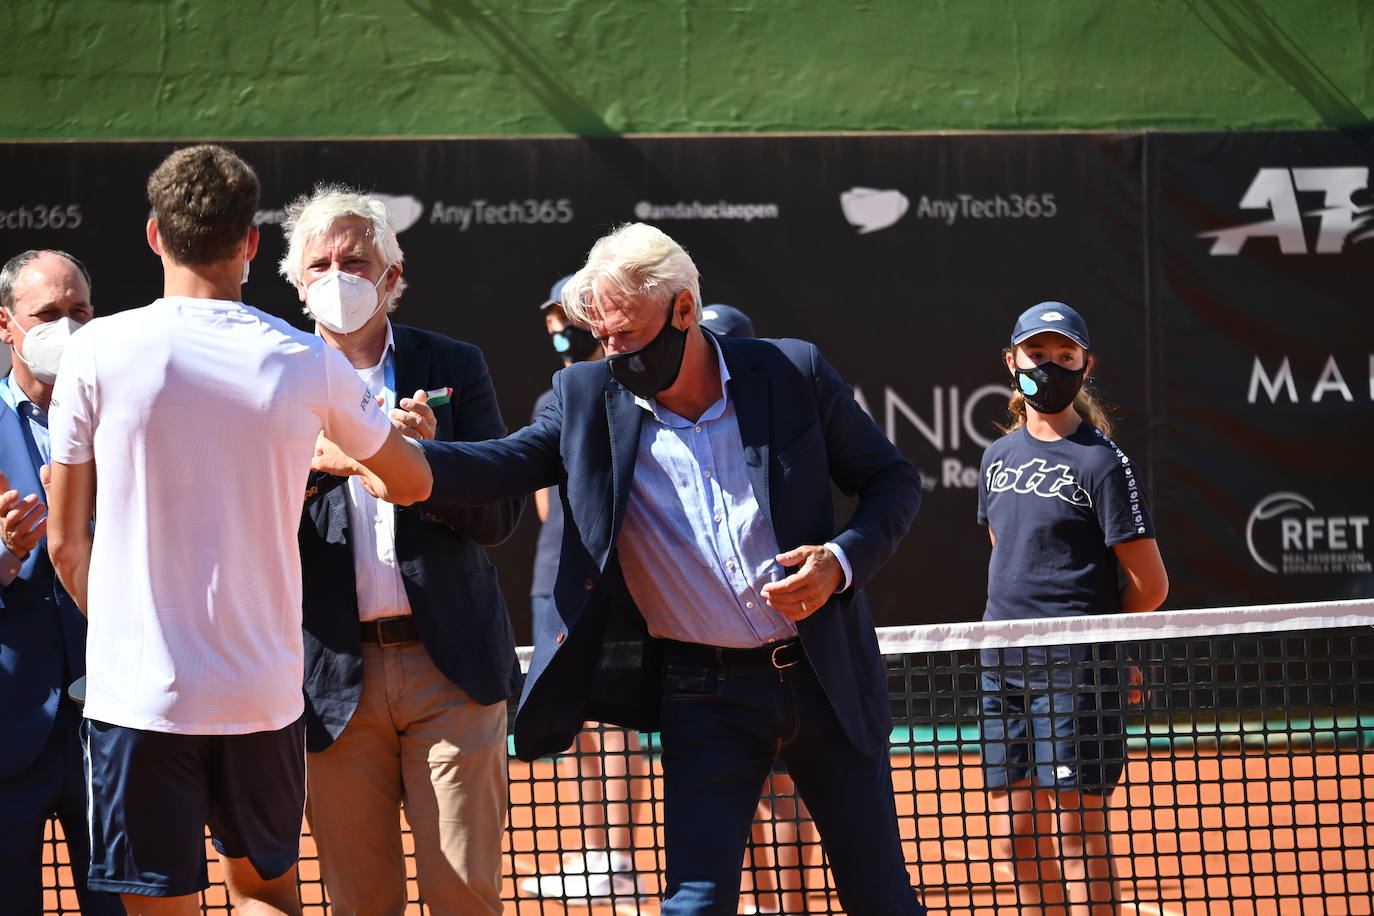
{"x":201,"y":416}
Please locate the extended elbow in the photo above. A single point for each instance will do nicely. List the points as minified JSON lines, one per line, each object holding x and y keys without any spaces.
{"x":416,"y":486}
{"x":64,"y":555}
{"x":1148,"y":595}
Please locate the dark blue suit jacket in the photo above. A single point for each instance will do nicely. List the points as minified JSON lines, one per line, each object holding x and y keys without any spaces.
{"x":42,"y":631}
{"x":801,"y":430}
{"x":451,"y":584}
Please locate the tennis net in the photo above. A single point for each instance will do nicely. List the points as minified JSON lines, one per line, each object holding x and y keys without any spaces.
{"x":1210,"y":761}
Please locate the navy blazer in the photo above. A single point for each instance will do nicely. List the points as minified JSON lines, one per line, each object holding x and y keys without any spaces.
{"x":801,"y":430}
{"x":42,"y":631}
{"x":450,"y":581}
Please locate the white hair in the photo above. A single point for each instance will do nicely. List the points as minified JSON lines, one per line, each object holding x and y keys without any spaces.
{"x":311,"y":215}
{"x":637,"y":260}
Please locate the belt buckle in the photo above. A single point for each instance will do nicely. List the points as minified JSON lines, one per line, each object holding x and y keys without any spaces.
{"x":381,"y":631}
{"x":773,"y":656}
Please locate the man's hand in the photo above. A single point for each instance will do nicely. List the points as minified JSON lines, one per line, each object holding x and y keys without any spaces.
{"x":330,"y":459}
{"x":801,"y":594}
{"x":23,"y":521}
{"x":414,"y":417}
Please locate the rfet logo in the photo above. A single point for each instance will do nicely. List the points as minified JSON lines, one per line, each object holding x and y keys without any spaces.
{"x":1339,"y":220}
{"x":1288,"y":536}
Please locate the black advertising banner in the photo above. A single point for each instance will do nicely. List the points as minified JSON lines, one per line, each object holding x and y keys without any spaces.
{"x":906,"y":257}
{"x":1263,"y":329}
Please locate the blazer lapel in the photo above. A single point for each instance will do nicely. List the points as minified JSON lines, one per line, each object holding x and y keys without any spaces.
{"x":412,"y":362}
{"x":749,"y":391}
{"x":17,"y":458}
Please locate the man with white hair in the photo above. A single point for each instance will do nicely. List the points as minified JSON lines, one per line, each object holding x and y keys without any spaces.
{"x":703,"y":587}
{"x":409,"y":651}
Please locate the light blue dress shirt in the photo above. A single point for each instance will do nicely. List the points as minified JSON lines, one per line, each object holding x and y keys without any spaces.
{"x":37,"y":422}
{"x":695,"y":547}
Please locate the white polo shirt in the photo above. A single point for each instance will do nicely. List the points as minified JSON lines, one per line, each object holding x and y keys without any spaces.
{"x":201,"y":416}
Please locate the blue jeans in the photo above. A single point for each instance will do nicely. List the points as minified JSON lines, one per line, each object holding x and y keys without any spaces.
{"x":1060,"y":738}
{"x":722,"y":727}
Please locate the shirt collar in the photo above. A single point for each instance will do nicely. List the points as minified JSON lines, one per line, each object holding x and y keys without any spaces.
{"x":18,"y":398}
{"x":390,"y":345}
{"x":386,"y":350}
{"x":668,"y":418}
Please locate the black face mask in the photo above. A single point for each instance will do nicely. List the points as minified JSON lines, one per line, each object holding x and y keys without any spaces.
{"x":653,"y":367}
{"x":1049,"y":388}
{"x":574,"y":343}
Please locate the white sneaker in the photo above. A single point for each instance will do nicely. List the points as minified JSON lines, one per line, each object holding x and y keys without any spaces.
{"x":583,"y":878}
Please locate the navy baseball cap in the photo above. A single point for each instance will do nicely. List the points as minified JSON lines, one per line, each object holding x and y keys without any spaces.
{"x":727,"y":321}
{"x":1051,"y":316}
{"x":555,"y":294}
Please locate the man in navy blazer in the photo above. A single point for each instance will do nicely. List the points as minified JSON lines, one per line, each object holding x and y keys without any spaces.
{"x":704,"y":588}
{"x":409,"y":650}
{"x":42,"y":632}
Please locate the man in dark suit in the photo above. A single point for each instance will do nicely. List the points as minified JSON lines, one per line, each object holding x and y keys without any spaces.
{"x":409,"y":651}
{"x":44,"y":296}
{"x":703,"y":587}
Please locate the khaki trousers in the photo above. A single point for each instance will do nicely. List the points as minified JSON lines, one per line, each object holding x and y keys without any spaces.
{"x":418,"y":741}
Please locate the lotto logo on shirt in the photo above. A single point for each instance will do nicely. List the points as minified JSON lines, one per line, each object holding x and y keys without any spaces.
{"x":1040,"y":479}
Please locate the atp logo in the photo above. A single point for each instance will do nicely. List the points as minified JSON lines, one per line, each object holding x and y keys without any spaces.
{"x":1035,"y":476}
{"x":1340,"y":221}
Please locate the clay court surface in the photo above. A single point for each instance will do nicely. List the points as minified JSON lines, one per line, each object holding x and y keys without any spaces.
{"x":1244,"y":832}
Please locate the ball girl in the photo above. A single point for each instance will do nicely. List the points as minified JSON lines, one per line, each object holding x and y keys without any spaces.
{"x":1071,"y":534}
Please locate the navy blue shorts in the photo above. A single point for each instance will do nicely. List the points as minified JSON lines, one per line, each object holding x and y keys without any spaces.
{"x":1065,"y":739}
{"x":152,"y":795}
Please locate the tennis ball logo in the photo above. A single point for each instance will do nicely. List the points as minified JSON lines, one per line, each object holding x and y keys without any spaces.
{"x":871,"y":209}
{"x":404,"y":210}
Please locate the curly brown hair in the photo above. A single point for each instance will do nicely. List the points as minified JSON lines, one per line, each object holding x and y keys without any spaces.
{"x":204,"y":199}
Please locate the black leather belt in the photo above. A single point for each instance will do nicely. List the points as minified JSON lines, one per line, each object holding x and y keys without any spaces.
{"x":390,"y":631}
{"x":778,"y":655}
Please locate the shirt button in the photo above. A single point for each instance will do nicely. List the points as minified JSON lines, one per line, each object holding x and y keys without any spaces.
{"x":696,"y":429}
{"x":589,"y":584}
{"x":559,"y":638}
{"x":748,"y":604}
{"x":729,"y":564}
{"x":708,"y":473}
{"x":717,"y":519}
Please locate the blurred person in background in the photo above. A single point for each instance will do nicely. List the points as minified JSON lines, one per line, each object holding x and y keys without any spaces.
{"x":608,"y":760}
